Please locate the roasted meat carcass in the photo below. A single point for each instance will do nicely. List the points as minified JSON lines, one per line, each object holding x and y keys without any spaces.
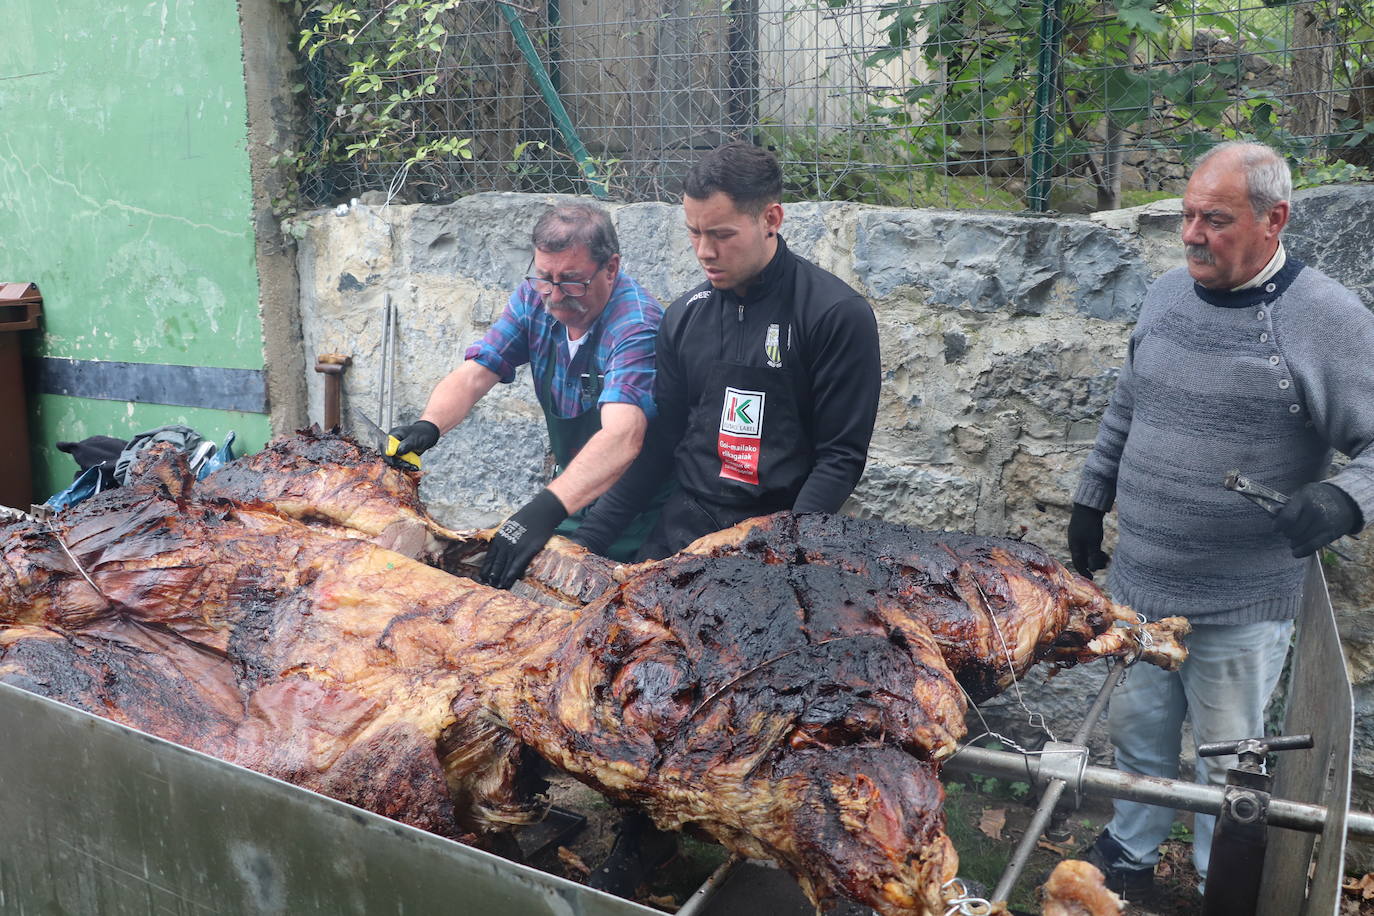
{"x":352,"y":670}
{"x":803,"y":731}
{"x":780,"y":686}
{"x":335,"y":486}
{"x":329,"y":662}
{"x":996,"y":606}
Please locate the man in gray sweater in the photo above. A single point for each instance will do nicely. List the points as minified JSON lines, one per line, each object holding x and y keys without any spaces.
{"x":1246,"y":359}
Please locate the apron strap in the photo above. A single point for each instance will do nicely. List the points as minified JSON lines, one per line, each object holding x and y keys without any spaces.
{"x":567,"y":435}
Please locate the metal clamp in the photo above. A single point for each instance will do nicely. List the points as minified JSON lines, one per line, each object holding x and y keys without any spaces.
{"x":1061,"y":760}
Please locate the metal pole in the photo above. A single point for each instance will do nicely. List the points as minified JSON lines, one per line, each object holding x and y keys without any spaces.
{"x":1150,"y":790}
{"x":555,"y":103}
{"x":696,"y":903}
{"x":1046,"y":83}
{"x":385,"y":375}
{"x":1054,"y":790}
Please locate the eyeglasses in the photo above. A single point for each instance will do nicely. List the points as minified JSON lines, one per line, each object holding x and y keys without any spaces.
{"x":574,"y":288}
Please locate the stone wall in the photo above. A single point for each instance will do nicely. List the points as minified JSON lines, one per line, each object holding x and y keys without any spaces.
{"x":1001,"y":337}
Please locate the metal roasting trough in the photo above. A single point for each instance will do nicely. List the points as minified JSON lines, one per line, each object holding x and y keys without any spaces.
{"x":100,"y":818}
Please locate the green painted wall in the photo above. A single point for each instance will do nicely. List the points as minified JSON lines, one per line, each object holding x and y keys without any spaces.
{"x":125,"y":194}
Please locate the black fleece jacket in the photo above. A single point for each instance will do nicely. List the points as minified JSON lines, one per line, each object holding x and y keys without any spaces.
{"x":830,"y":339}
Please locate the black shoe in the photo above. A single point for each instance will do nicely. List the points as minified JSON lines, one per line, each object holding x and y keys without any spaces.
{"x":640,"y":850}
{"x":1128,"y":882}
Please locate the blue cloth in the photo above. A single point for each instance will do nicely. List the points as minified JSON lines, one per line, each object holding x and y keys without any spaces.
{"x":527,"y":333}
{"x":90,"y":482}
{"x":1222,"y":688}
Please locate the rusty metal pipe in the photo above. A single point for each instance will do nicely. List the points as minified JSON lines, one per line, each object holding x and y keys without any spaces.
{"x":1150,"y":790}
{"x":1053,"y":789}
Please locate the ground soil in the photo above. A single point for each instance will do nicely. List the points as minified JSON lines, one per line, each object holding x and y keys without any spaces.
{"x":970,"y":805}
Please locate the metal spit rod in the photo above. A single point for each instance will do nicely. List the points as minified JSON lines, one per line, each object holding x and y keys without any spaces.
{"x":386,"y":394}
{"x":1150,"y":790}
{"x":1054,"y":788}
{"x":697,"y":902}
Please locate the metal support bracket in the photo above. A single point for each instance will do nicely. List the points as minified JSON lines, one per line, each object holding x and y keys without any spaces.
{"x":1061,"y":760}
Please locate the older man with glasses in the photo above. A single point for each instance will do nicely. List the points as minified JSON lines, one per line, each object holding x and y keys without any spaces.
{"x":587,"y":330}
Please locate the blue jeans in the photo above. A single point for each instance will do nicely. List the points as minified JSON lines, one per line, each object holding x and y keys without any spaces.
{"x":1222,"y":688}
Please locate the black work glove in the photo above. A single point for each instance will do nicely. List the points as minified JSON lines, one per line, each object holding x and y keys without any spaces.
{"x":1085,"y":540}
{"x":416,"y":437}
{"x":1315,"y":516}
{"x":519,"y":538}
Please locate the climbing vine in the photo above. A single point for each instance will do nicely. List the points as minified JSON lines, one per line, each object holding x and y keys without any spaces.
{"x":379,"y":81}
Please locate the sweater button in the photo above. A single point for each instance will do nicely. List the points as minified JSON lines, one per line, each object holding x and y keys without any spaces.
{"x":1273,"y":360}
{"x":1293,"y":408}
{"x":1260,"y":314}
{"x":1264,"y":338}
{"x":1270,"y":288}
{"x":1283,"y":383}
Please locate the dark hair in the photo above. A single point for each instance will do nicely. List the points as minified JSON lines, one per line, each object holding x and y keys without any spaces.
{"x":749,"y":175}
{"x":569,"y":225}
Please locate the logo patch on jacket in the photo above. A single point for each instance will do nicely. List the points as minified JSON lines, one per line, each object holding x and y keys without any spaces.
{"x":771,"y":349}
{"x":741,"y":433}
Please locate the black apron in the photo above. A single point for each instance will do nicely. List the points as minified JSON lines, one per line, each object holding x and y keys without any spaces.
{"x":746,"y":451}
{"x":567,"y":436}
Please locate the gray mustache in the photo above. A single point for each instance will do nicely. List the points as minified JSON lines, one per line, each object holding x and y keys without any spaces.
{"x":1199,"y":253}
{"x":568,"y":305}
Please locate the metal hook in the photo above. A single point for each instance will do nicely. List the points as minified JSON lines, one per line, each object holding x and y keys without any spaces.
{"x":962,"y":902}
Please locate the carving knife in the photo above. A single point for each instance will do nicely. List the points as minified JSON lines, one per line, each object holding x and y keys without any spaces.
{"x":383,"y":442}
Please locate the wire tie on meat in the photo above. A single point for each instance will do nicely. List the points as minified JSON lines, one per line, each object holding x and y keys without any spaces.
{"x":70,"y":556}
{"x":1003,"y":739}
{"x":1033,"y":719}
{"x":1144,"y":640}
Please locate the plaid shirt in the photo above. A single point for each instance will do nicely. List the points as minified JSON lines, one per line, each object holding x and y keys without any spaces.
{"x":527,"y":333}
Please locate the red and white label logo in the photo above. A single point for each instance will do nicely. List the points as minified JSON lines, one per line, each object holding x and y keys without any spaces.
{"x":741,"y":432}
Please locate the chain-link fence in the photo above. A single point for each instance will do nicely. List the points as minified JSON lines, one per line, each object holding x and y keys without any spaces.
{"x":1062,"y":104}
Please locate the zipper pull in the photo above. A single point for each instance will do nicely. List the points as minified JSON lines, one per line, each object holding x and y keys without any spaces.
{"x":741,"y":313}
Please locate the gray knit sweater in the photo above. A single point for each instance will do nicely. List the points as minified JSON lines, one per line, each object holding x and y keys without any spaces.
{"x":1267,"y":381}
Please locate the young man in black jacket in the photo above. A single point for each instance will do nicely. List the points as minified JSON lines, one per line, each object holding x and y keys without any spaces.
{"x":767,"y":373}
{"x":766,"y":388}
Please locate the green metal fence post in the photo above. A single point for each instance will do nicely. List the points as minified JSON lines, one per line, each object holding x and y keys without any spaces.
{"x":555,"y":103}
{"x":1046,"y":84}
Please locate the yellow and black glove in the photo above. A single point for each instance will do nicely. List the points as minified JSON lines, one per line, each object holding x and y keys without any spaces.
{"x":412,"y":439}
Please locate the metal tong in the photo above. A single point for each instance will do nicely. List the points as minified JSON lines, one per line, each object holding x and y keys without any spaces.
{"x":1268,"y":499}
